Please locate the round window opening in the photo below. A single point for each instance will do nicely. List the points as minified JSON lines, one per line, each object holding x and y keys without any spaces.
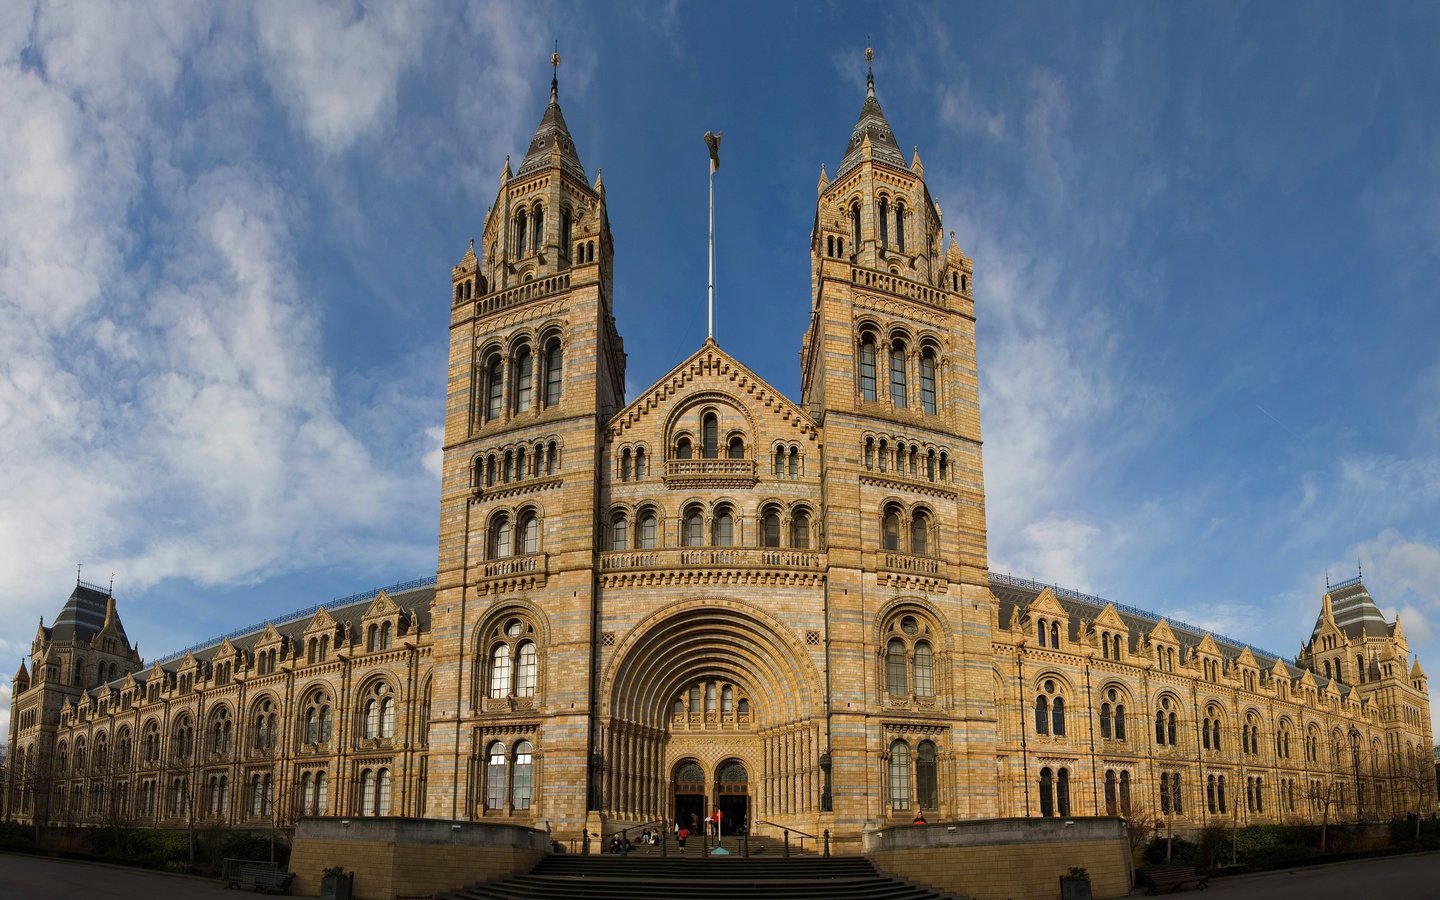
{"x":1049,"y":687}
{"x":909,"y":625}
{"x":513,"y":628}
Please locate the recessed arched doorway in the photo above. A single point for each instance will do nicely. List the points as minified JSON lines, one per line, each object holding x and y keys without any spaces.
{"x":688,"y":789}
{"x":732,"y":796}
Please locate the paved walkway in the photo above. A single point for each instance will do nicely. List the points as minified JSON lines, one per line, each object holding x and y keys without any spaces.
{"x":1415,"y":876}
{"x":24,"y":877}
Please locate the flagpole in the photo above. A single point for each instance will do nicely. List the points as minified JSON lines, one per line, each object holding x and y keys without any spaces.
{"x":713,"y":142}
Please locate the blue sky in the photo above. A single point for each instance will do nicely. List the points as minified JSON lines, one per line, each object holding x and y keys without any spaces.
{"x":1205,"y":241}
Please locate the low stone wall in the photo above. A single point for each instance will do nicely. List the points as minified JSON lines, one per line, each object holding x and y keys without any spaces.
{"x":1021,"y":859}
{"x":392,"y":856}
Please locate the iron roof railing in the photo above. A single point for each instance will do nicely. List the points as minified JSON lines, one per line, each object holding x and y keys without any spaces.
{"x":306,"y":613}
{"x":1069,"y":594}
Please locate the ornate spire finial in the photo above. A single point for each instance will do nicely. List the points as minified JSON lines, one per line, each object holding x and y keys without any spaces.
{"x":869,"y":69}
{"x":555,"y":77}
{"x":77,"y":573}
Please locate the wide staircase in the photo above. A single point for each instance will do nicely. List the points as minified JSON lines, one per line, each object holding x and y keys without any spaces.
{"x":649,"y":876}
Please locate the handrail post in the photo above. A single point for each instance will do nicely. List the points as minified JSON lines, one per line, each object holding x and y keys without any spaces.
{"x":664,"y":843}
{"x":786,"y":832}
{"x":827,"y":842}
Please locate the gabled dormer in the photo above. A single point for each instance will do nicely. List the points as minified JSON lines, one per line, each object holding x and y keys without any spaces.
{"x":1207,"y":660}
{"x":380,"y":624}
{"x":1047,"y":622}
{"x":1247,"y":669}
{"x":321,"y":637}
{"x":1164,"y":647}
{"x":1280,"y":679}
{"x":1112,"y":634}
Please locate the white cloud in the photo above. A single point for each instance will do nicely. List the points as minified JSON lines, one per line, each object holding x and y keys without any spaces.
{"x":337,"y":65}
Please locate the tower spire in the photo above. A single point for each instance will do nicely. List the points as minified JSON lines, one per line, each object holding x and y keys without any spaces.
{"x":555,"y":75}
{"x":869,"y":69}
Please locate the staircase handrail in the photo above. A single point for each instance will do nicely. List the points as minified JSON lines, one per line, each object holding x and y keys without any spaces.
{"x":787,"y":828}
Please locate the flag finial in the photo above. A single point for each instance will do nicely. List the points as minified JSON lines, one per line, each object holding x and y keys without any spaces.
{"x":869,"y":69}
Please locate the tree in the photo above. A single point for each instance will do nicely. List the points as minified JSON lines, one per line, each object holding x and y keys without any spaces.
{"x":1323,"y":793}
{"x":1140,"y":823}
{"x":1415,"y":778}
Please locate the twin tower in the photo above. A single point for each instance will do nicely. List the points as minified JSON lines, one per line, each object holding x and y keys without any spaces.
{"x":712,"y":597}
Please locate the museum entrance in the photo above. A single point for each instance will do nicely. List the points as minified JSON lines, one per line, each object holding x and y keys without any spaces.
{"x":689,"y":792}
{"x":732,"y":797}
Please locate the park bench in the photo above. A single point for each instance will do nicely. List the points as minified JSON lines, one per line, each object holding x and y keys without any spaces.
{"x":262,"y":877}
{"x":1175,"y":878}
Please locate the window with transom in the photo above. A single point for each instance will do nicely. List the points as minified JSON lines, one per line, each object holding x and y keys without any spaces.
{"x":909,"y":658}
{"x":1166,"y":718}
{"x":377,"y":705}
{"x":1050,"y":708}
{"x":1112,"y":715}
{"x":512,"y":659}
{"x":316,"y":717}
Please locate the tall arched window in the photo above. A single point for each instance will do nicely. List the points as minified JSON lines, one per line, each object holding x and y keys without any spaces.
{"x":693,"y":528}
{"x":1057,"y":716}
{"x":525,"y":670}
{"x":867,"y":368}
{"x":770,"y":529}
{"x":500,"y":671}
{"x":898,"y":392}
{"x":554,"y":367}
{"x":565,"y":230}
{"x":529,"y":535}
{"x":800,"y":530}
{"x":926,"y":784}
{"x":736,"y":447}
{"x":520,"y":223}
{"x":539,"y":228}
{"x":855,"y":224}
{"x":495,"y":777}
{"x":683,"y":448}
{"x":1047,"y":794}
{"x":724,"y":528}
{"x":524,"y":366}
{"x":494,"y":386}
{"x":924,"y":670}
{"x":710,"y":436}
{"x":884,"y":217}
{"x":899,"y":775}
{"x":927,"y":381}
{"x":900,"y":226}
{"x":891,"y":529}
{"x":500,"y":537}
{"x":1042,"y":715}
{"x":895,"y":674}
{"x":1062,"y":791}
{"x":520,"y":778}
{"x":920,"y":534}
{"x":619,"y":532}
{"x":645,"y":529}
{"x":1055,"y":634}
{"x":1105,"y":722}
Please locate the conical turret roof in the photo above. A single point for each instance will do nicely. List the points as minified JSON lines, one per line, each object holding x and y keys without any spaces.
{"x":1353,"y":610}
{"x":871,"y":123}
{"x":552,"y":133}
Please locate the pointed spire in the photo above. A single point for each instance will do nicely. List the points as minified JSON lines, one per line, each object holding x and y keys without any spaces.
{"x":505,"y":174}
{"x":824,"y":180}
{"x":916,"y":165}
{"x":552,"y":133}
{"x":872,"y":125}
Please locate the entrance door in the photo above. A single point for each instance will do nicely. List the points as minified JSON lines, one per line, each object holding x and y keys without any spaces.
{"x":732,"y":796}
{"x":689,"y":791}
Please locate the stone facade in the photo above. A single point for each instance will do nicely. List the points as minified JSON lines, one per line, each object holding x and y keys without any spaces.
{"x":713,"y":596}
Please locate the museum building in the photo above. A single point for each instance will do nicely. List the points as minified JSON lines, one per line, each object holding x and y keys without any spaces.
{"x":714,"y":596}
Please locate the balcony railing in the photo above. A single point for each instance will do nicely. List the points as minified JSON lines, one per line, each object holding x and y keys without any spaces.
{"x":726,"y":472}
{"x":710,"y":558}
{"x":911,"y":565}
{"x":530,"y":290}
{"x":514,"y":565}
{"x":894,"y":284}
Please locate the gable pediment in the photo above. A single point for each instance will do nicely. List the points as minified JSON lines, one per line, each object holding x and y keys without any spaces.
{"x":1208,"y":646}
{"x":712,"y":374}
{"x":1162,"y":632}
{"x":381,"y":607}
{"x":1109,"y":618}
{"x":321,"y":622}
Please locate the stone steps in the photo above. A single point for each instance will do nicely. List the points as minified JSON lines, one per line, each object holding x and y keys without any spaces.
{"x":652,"y":877}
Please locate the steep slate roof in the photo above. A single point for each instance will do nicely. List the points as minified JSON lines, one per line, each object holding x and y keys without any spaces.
{"x":882,"y":139}
{"x":1354,"y":609}
{"x":552,"y":131}
{"x":1015,"y":594}
{"x":83,"y":615}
